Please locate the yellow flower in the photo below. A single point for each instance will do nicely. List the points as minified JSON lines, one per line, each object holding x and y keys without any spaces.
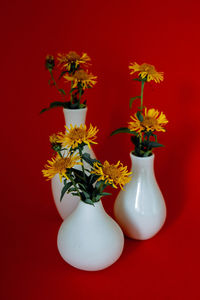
{"x":146,"y":71}
{"x":54,"y":138}
{"x":81,"y":76}
{"x":78,"y":135}
{"x":59,"y":165}
{"x":152,"y":121}
{"x":72,"y":58}
{"x":112,"y":174}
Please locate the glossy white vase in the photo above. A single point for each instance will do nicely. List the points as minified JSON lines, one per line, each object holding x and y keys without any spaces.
{"x":89,"y":239}
{"x":69,"y":202}
{"x":140,"y":209}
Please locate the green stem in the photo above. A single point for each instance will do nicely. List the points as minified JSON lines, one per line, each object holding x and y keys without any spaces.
{"x":71,"y":97}
{"x":80,"y":94}
{"x":59,"y":153}
{"x":83,"y":168}
{"x":142,"y":91}
{"x":74,"y":184}
{"x":54,"y":82}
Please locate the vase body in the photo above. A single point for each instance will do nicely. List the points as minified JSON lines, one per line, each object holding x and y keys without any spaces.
{"x":69,"y":202}
{"x":89,"y":239}
{"x":140,"y":209}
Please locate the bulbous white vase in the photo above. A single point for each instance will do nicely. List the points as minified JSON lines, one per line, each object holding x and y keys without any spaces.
{"x":140,"y":209}
{"x":89,"y":239}
{"x":69,"y":202}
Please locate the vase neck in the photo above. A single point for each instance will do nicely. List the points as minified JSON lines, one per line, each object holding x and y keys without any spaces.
{"x":75,"y":116}
{"x":142,"y":164}
{"x":89,"y":209}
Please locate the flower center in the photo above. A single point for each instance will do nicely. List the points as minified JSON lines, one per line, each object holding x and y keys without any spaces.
{"x":148,"y":68}
{"x":73,"y":56}
{"x":112,"y":172}
{"x":81,"y":75}
{"x":61,"y":164}
{"x":149,"y":122}
{"x":77,"y":134}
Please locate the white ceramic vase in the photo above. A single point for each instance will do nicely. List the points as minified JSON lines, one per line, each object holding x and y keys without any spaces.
{"x":89,"y":239}
{"x":69,"y":202}
{"x":140,"y":209}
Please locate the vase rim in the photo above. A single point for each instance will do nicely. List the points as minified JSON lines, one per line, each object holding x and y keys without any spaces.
{"x":75,"y":109}
{"x":141,"y":158}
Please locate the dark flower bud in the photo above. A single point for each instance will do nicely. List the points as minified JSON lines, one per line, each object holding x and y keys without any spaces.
{"x":49,"y":62}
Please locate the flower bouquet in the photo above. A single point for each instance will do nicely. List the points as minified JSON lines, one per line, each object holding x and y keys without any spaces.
{"x":88,"y":239}
{"x":140,"y":209}
{"x":145,"y":122}
{"x":72,"y":68}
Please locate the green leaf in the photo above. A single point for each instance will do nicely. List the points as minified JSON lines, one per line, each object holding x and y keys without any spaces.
{"x":87,"y":196}
{"x":155,"y":144}
{"x":98,"y":197}
{"x":62,"y":91}
{"x":139,"y":116}
{"x":86,"y":157}
{"x":98,"y":184}
{"x":64,"y":189}
{"x":148,"y":153}
{"x":74,"y":105}
{"x":137,"y":79}
{"x":105,"y":194}
{"x":135,"y":140}
{"x":72,"y":189}
{"x":73,"y":89}
{"x":62,"y":73}
{"x":53,"y":105}
{"x":122,"y":130}
{"x":133,"y":99}
{"x":93,"y":178}
{"x":88,"y":201}
{"x":82,"y":105}
{"x":82,"y":186}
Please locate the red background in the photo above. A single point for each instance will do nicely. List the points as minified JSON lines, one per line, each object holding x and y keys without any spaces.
{"x":163,"y":33}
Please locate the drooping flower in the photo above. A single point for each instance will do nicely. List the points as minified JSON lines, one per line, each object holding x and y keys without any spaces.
{"x":80,"y":76}
{"x":78,"y":135}
{"x":72,"y":58}
{"x":153,"y":120}
{"x":146,"y":71}
{"x":60,"y":165}
{"x":112,"y":174}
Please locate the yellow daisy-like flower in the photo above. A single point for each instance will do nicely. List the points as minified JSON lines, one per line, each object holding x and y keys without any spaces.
{"x":112,"y":174}
{"x":59,"y":165}
{"x":152,"y":121}
{"x":54,"y":138}
{"x":72,"y":58}
{"x":78,"y":135}
{"x":146,"y":71}
{"x":81,"y":76}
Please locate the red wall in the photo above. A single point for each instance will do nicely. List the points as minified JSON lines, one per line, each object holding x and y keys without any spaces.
{"x":113,"y":34}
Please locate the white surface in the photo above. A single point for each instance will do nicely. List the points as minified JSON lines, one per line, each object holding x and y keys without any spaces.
{"x":89,"y":239}
{"x":140,"y":209}
{"x":69,"y":202}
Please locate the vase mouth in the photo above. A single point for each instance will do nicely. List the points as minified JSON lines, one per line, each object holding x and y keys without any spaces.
{"x":75,"y":109}
{"x":142,"y":158}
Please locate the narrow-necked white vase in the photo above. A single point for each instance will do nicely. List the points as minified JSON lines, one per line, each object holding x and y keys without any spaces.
{"x":140,"y":209}
{"x":89,"y":239}
{"x":69,"y":202}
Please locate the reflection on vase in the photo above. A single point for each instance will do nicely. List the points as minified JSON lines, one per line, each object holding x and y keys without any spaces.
{"x":140,"y":209}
